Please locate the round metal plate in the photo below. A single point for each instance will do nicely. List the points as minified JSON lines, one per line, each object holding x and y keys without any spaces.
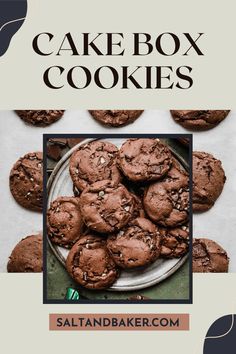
{"x":60,"y":184}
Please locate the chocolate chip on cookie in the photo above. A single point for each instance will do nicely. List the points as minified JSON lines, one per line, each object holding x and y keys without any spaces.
{"x":64,"y":221}
{"x":27,"y":256}
{"x":136,"y":245}
{"x":40,"y":118}
{"x":175,"y":242}
{"x":90,"y":264}
{"x":199,"y":120}
{"x":106,"y":206}
{"x":208,"y":180}
{"x":115,"y":118}
{"x":26,"y":181}
{"x":144,"y":159}
{"x":138,"y":210}
{"x":92,"y":162}
{"x":209,"y":257}
{"x":166,"y":202}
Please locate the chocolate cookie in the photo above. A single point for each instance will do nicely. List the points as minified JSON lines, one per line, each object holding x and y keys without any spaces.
{"x":64,"y":221}
{"x":40,"y":118}
{"x":175,"y":242}
{"x":27,"y":256}
{"x":209,"y":257}
{"x":166,"y":202}
{"x":135,"y":245}
{"x":138,"y":298}
{"x":90,"y":264}
{"x":106,"y":206}
{"x":115,"y":118}
{"x":74,"y":141}
{"x":144,"y":159}
{"x":62,"y":142}
{"x":208,"y":180}
{"x":54,"y":152}
{"x":26,"y":181}
{"x":184,"y":141}
{"x":92,"y":162}
{"x":199,"y":120}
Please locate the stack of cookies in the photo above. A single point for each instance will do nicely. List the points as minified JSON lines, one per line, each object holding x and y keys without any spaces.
{"x":208,"y":182}
{"x":26,"y":186}
{"x":131,"y":206}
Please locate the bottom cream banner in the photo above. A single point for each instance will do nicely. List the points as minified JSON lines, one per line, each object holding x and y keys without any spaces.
{"x":208,"y":324}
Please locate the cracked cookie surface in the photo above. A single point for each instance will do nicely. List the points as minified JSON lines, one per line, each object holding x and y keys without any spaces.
{"x":64,"y":221}
{"x":175,"y":242}
{"x":208,"y":180}
{"x":40,"y":117}
{"x":115,"y":118}
{"x":92,"y":162}
{"x":27,"y":256}
{"x":106,"y":206}
{"x":199,"y":120}
{"x":90,"y":264}
{"x":26,"y":181}
{"x":136,"y":245}
{"x":166,"y":202}
{"x":144,"y":159}
{"x":209,"y":257}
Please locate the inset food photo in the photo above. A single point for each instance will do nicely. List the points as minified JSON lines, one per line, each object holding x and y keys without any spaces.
{"x":117,"y":218}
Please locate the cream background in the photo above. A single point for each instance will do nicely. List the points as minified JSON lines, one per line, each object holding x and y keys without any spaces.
{"x":21,"y":69}
{"x":24,"y":320}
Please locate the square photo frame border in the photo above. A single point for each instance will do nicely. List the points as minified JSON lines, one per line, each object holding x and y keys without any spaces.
{"x":45,"y":243}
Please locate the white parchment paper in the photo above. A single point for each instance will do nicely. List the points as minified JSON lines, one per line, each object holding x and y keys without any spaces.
{"x":18,"y":138}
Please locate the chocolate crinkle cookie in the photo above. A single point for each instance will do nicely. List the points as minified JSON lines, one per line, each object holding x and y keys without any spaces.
{"x":115,"y":118}
{"x":208,"y":180}
{"x":175,"y":242}
{"x":136,"y":245}
{"x":106,"y":206}
{"x":209,"y":257}
{"x":144,"y":159}
{"x":199,"y":120}
{"x":92,"y":162}
{"x":166,"y":202}
{"x":27,"y":256}
{"x":64,"y":221}
{"x":26,"y":181}
{"x":39,"y":117}
{"x":90,"y":264}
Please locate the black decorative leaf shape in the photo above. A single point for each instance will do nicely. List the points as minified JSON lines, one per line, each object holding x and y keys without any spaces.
{"x":221,"y":336}
{"x":12,"y":16}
